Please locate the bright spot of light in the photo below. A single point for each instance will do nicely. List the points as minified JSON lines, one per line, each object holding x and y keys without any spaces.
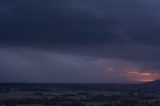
{"x":110,"y":68}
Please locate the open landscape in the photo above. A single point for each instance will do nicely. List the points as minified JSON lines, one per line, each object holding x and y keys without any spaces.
{"x":34,"y":94}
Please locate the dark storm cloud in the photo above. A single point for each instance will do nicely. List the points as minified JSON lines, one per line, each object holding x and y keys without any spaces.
{"x":79,"y":21}
{"x":33,"y":32}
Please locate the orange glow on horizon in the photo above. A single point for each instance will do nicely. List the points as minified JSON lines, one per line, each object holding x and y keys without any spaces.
{"x":143,"y":76}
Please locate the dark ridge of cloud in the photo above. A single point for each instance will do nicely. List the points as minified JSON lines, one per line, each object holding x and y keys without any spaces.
{"x":85,"y":25}
{"x":80,"y":22}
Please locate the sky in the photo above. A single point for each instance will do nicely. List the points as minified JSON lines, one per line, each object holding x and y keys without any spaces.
{"x":79,"y":41}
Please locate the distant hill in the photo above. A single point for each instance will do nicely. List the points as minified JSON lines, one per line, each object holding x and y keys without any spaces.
{"x":155,"y":83}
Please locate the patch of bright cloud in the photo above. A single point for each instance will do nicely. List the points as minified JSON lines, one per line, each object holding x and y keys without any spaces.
{"x":142,"y":76}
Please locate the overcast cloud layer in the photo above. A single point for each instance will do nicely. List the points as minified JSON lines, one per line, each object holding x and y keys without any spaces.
{"x":79,"y":40}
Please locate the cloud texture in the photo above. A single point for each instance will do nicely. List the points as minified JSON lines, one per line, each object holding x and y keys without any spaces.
{"x":78,"y":40}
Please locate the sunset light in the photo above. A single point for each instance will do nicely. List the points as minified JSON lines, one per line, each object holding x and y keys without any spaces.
{"x":143,"y":76}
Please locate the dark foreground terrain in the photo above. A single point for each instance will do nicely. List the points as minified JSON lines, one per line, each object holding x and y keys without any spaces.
{"x":27,"y":94}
